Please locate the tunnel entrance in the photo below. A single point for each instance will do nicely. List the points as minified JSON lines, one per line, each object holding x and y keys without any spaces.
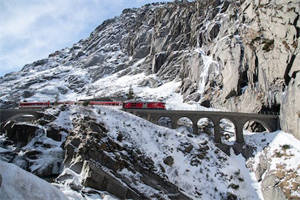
{"x":255,"y":126}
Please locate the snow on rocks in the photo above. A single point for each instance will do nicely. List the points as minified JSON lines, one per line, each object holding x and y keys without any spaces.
{"x":107,"y":142}
{"x":29,"y":147}
{"x":276,"y":164}
{"x":192,"y":163}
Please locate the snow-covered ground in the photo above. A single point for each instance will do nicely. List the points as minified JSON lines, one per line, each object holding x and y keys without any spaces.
{"x":17,"y":183}
{"x":159,"y":142}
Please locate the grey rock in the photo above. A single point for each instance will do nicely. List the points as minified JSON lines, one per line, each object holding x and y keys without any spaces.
{"x":214,"y":31}
{"x":261,"y":168}
{"x":270,"y":190}
{"x":94,"y":176}
{"x":169,"y":160}
{"x":28,"y":93}
{"x":54,"y":134}
{"x":94,"y":60}
{"x":40,"y":62}
{"x":158,"y":60}
{"x":91,"y":154}
{"x":290,"y":109}
{"x":141,"y":52}
{"x":21,"y":134}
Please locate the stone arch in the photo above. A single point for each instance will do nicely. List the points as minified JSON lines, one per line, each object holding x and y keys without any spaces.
{"x":228,"y":131}
{"x":206,"y":125}
{"x":185,"y":122}
{"x":257,"y":125}
{"x":165,"y":121}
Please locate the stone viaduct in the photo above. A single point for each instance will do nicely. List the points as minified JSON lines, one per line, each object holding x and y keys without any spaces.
{"x":270,"y":122}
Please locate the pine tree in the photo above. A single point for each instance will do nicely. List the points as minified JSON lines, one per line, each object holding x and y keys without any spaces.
{"x":56,"y":99}
{"x":130,"y":94}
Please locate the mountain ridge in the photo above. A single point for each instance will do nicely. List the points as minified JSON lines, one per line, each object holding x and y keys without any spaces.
{"x":221,"y":52}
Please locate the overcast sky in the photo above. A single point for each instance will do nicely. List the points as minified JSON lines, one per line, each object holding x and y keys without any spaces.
{"x":32,"y":29}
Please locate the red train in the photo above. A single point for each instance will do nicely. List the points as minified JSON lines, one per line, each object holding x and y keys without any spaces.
{"x":144,"y":105}
{"x":106,"y":103}
{"x":35,"y":104}
{"x":125,"y":105}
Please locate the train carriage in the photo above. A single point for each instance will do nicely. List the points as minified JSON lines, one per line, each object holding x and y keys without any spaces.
{"x":144,"y":105}
{"x":35,"y":105}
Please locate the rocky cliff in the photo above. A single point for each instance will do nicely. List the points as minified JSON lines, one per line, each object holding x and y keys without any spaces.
{"x":238,"y":55}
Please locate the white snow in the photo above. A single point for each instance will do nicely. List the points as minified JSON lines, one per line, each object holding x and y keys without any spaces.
{"x":208,"y":63}
{"x":22,"y":185}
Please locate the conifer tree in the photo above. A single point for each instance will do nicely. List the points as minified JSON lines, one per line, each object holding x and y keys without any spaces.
{"x":130,"y":94}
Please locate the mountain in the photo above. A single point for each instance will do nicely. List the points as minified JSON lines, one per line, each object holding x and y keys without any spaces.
{"x":227,"y":55}
{"x":238,"y":55}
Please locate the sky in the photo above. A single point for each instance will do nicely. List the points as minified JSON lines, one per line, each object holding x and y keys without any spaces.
{"x":32,"y":29}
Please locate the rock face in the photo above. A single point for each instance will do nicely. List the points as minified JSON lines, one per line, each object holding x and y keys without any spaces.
{"x":290,"y":110}
{"x":20,"y":134}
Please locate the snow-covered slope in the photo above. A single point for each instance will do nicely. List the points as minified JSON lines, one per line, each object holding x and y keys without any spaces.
{"x":199,"y":168}
{"x":191,"y":162}
{"x":16,"y":183}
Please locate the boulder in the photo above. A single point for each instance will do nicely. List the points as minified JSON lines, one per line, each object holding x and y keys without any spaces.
{"x":54,"y":134}
{"x":261,"y":168}
{"x":169,"y":160}
{"x":19,"y":184}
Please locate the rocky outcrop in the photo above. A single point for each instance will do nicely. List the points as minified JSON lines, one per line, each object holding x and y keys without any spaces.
{"x":21,"y":134}
{"x":247,"y":58}
{"x":278,"y":181}
{"x":103,"y":162}
{"x":30,"y":147}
